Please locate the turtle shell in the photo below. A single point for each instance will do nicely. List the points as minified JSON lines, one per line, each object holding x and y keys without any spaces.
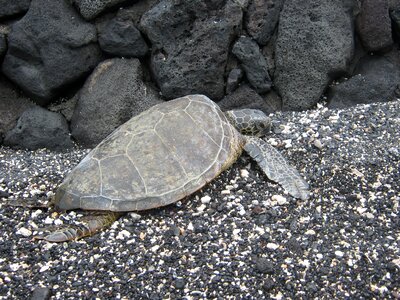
{"x":156,"y":158}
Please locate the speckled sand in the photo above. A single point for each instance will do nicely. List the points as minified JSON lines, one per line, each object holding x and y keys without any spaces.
{"x":240,"y":237}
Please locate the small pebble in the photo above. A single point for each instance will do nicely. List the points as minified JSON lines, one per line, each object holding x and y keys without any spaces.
{"x":264,"y":265}
{"x":396,"y":262}
{"x":288,"y":143}
{"x":58,"y":222}
{"x":134,"y":216}
{"x":48,"y":220}
{"x":242,"y":212}
{"x":205,"y":199}
{"x":190,"y":226}
{"x":268,"y":285}
{"x":272,"y":246}
{"x":44,"y":268}
{"x":4,"y":194}
{"x":244,"y":173}
{"x":24,"y":231}
{"x":318,"y":144}
{"x":155,"y":248}
{"x":357,"y":172}
{"x":339,"y":253}
{"x":280,"y":200}
{"x":123,"y":234}
{"x":201,"y":208}
{"x":41,"y":293}
{"x":179,"y":283}
{"x":14,"y":267}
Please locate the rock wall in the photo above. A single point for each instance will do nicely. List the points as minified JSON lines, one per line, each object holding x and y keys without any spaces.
{"x":88,"y":66}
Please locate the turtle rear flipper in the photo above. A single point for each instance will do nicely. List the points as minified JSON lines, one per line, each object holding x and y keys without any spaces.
{"x":276,"y":168}
{"x":91,"y":225}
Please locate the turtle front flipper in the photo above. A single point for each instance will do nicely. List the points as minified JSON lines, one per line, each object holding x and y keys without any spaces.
{"x":91,"y":225}
{"x":276,"y":168}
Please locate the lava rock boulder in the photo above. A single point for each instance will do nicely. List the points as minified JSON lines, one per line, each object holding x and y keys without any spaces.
{"x":121,"y":38}
{"x":90,"y":9}
{"x":246,"y":97}
{"x":374,"y":25}
{"x":3,"y":44}
{"x":376,"y":79}
{"x":262,"y":18}
{"x":39,"y":128}
{"x":14,"y":7}
{"x":49,"y":48}
{"x":113,"y":93}
{"x":191,"y":42}
{"x":233,"y":80}
{"x":315,"y":43}
{"x":254,"y":63}
{"x":12,"y":105}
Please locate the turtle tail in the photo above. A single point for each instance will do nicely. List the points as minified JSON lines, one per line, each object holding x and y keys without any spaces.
{"x":91,"y":225}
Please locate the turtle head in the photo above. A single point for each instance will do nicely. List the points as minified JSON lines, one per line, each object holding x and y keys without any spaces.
{"x":249,"y":121}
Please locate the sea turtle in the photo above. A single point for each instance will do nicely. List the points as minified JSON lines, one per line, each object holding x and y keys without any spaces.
{"x":163,"y":155}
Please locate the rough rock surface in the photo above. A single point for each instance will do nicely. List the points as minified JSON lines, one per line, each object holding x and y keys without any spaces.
{"x":12,"y":105}
{"x":49,"y":48}
{"x":274,"y":101}
{"x":190,"y":41}
{"x":253,"y":63}
{"x":121,"y":38}
{"x":65,"y":107}
{"x":246,"y":97}
{"x":261,"y":19}
{"x":233,"y":80}
{"x":108,"y":100}
{"x":240,"y":236}
{"x":39,"y":128}
{"x":3,"y":45}
{"x":135,"y":11}
{"x":394,"y":4}
{"x":395,"y":17}
{"x":374,"y":25}
{"x":376,"y":79}
{"x":90,"y":9}
{"x":315,"y":41}
{"x":14,"y":7}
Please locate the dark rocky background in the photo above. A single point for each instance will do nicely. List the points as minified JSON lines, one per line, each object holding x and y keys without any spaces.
{"x":78,"y":69}
{"x":72,"y":71}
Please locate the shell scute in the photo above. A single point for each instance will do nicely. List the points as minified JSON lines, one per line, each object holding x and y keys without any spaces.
{"x":153,"y":159}
{"x":189,"y":145}
{"x":124,"y":184}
